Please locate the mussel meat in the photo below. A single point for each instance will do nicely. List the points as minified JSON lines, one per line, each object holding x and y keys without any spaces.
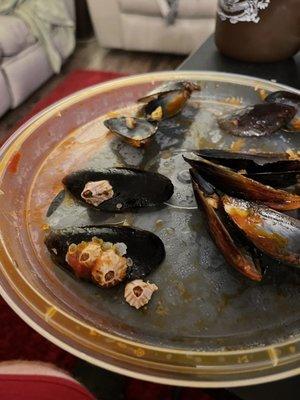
{"x":277,"y":170}
{"x":274,"y":233}
{"x":167,"y":102}
{"x":119,"y":189}
{"x":257,"y":120}
{"x":240,"y":257}
{"x":290,"y":99}
{"x":239,"y":185}
{"x":106,"y":255}
{"x":135,"y":131}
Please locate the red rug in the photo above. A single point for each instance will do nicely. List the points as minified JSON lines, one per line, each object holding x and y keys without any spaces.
{"x":19,"y":341}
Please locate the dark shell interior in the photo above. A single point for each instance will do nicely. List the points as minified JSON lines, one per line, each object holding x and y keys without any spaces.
{"x":257,"y":120}
{"x":274,"y":233}
{"x":132,"y":188}
{"x":139,"y":134}
{"x":144,"y":248}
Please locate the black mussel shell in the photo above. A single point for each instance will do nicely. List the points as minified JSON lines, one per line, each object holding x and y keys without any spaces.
{"x":258,"y":120}
{"x":274,"y":233}
{"x":167,"y":102}
{"x":145,"y":249}
{"x":274,"y":169}
{"x":290,"y":99}
{"x":136,"y":131}
{"x":239,"y":257}
{"x":275,"y":179}
{"x":284,"y":97}
{"x":251,"y":162}
{"x":239,"y":185}
{"x":132,"y":188}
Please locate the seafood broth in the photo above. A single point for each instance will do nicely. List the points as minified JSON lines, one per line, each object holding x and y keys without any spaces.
{"x":202,"y":303}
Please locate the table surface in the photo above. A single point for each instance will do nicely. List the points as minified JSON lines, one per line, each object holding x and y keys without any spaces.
{"x":207,"y":57}
{"x":287,"y":72}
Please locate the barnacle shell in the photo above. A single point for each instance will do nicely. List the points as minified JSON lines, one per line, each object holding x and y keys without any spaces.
{"x":100,"y":261}
{"x":138,"y":293}
{"x":110,"y":269}
{"x":82,"y":258}
{"x":97,"y":192}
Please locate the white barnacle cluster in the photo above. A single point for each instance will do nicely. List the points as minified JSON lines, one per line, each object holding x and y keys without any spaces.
{"x":102,"y":262}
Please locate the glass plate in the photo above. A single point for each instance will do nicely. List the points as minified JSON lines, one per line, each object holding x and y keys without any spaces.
{"x":207,"y":325}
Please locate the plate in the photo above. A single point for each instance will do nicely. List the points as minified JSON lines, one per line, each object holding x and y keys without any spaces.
{"x":207,"y":326}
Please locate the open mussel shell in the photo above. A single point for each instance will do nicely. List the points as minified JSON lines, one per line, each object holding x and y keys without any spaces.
{"x":238,"y":185}
{"x":167,"y":102}
{"x":274,"y":169}
{"x":290,"y":99}
{"x":276,"y":179}
{"x":257,"y":120}
{"x":130,"y":188}
{"x":274,"y":233}
{"x":237,"y":256}
{"x":145,"y":249}
{"x":251,"y":162}
{"x":135,"y":131}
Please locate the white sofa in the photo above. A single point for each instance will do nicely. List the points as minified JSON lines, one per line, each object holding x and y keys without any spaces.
{"x":24,"y":65}
{"x":139,"y":25}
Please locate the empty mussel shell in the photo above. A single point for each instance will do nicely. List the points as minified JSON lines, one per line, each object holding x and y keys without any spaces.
{"x":239,"y":185}
{"x":167,"y":102}
{"x":118,"y":189}
{"x":274,"y":233}
{"x":135,"y":131}
{"x":251,"y":162}
{"x":236,"y":255}
{"x":145,"y":250}
{"x":257,"y":120}
{"x":274,"y":169}
{"x":290,"y":99}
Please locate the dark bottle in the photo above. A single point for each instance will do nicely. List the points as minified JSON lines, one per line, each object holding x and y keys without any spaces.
{"x":258,"y":30}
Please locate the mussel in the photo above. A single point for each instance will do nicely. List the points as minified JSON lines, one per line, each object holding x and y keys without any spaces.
{"x":257,"y":120}
{"x":106,"y":255}
{"x":290,"y":99}
{"x":239,"y":185}
{"x":136,"y":131}
{"x":240,"y":257}
{"x":167,"y":102}
{"x":274,"y":233}
{"x":277,"y":170}
{"x":119,"y":189}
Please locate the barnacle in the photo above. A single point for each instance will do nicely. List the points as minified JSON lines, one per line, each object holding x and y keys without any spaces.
{"x":138,"y":293}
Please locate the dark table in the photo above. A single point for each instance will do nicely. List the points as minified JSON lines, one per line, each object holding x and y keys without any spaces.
{"x":208,"y":58}
{"x":287,"y":72}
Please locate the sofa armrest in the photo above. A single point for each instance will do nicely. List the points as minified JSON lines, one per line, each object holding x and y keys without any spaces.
{"x":105,"y":16}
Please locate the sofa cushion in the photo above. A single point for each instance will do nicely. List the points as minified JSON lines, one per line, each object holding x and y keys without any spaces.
{"x":5,"y":96}
{"x":15,"y":36}
{"x":186,"y":8}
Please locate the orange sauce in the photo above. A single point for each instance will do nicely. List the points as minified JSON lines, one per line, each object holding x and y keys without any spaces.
{"x":14,"y":163}
{"x":249,"y":223}
{"x":237,"y":144}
